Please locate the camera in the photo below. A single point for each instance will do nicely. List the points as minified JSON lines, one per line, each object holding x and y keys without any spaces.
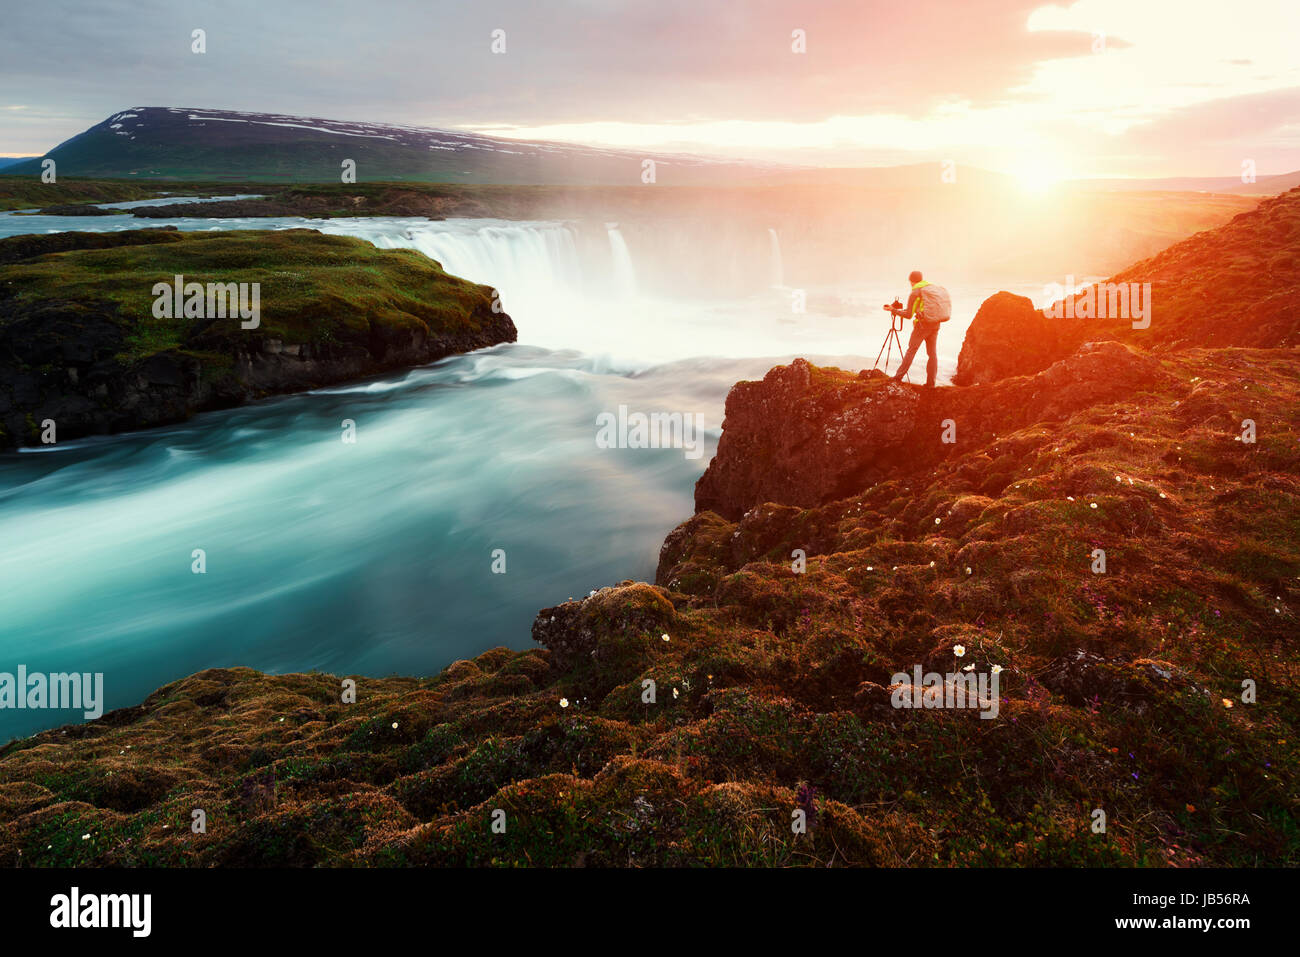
{"x":892,"y":305}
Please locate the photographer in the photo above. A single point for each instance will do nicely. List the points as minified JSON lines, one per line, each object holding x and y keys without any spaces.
{"x":928,"y":306}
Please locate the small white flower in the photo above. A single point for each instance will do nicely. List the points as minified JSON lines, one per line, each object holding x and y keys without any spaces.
{"x":1069,"y":498}
{"x":394,"y":725}
{"x":564,"y":702}
{"x":997,"y":669}
{"x":959,"y":650}
{"x":666,"y":638}
{"x":969,"y":668}
{"x":1092,"y":504}
{"x":85,"y":837}
{"x":967,"y":569}
{"x":936,"y":521}
{"x":675,"y":695}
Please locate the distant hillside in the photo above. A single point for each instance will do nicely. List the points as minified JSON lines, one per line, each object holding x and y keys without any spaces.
{"x":1270,"y":185}
{"x":173,"y":143}
{"x":1235,"y":285}
{"x":1210,"y":184}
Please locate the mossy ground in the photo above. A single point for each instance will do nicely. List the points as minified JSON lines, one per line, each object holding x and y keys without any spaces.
{"x":314,"y":288}
{"x":1115,"y":688}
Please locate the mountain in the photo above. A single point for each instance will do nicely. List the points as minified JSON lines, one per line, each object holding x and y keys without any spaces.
{"x":199,"y":144}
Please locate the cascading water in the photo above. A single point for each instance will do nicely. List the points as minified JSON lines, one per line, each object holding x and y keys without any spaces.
{"x":524,"y":261}
{"x":777,"y":276}
{"x":623,"y":274}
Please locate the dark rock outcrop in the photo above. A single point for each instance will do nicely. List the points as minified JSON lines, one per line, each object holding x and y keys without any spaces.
{"x":1007,"y":337}
{"x":80,"y":209}
{"x":804,"y":435}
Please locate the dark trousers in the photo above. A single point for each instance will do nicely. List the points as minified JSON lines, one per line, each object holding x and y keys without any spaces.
{"x":927,"y":332}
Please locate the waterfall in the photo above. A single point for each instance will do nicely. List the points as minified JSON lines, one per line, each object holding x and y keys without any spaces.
{"x":624,"y":276}
{"x":527,"y":260}
{"x":534,"y":266}
{"x":776,"y":266}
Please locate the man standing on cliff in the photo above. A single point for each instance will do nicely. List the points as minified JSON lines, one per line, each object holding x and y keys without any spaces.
{"x":928,"y":306}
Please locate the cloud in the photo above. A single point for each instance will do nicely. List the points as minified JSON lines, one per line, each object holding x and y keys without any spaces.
{"x":943,"y":74}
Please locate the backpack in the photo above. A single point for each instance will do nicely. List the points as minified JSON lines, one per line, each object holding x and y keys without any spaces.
{"x":936,"y":303}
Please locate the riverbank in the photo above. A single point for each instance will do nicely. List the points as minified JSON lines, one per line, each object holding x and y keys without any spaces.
{"x":90,"y":344}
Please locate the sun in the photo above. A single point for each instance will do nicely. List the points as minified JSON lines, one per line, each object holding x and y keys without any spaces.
{"x":1036,"y":175}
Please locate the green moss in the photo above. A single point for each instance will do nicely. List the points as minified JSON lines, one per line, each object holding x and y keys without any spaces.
{"x":313,"y":288}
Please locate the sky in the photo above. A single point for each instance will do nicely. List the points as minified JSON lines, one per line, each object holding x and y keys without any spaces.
{"x":1101,"y":88}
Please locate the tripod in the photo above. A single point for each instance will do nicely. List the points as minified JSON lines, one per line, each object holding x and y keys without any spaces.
{"x":891,"y":340}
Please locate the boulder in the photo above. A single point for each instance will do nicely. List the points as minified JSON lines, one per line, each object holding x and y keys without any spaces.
{"x":1008,"y":337}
